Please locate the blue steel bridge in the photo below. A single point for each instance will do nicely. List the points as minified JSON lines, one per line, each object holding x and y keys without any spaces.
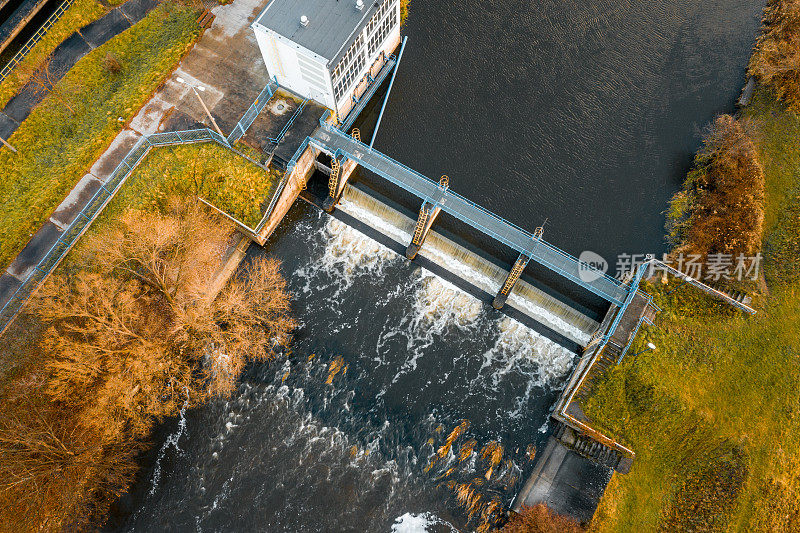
{"x":340,"y":145}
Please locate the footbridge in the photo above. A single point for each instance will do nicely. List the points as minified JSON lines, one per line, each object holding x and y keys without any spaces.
{"x":437,"y":196}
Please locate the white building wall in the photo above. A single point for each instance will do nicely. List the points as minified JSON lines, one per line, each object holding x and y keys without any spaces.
{"x":307,"y":74}
{"x":294,"y":67}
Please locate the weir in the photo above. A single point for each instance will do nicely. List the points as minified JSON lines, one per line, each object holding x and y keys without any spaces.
{"x":298,"y":141}
{"x":559,"y":316}
{"x":576,"y":452}
{"x":327,"y":138}
{"x":564,"y":320}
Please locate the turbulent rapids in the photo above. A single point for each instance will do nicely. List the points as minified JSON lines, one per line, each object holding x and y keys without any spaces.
{"x":405,"y":400}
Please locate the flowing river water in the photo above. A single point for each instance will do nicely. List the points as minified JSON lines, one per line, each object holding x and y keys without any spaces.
{"x":583,"y":114}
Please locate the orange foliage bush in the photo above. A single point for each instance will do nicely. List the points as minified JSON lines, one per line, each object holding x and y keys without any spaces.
{"x":540,"y":519}
{"x":776,"y":60}
{"x":721,"y":209}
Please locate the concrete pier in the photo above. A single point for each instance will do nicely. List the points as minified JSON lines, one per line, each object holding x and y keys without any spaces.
{"x":341,"y":170}
{"x":427,"y":215}
{"x":295,"y":183}
{"x":511,"y":280}
{"x":566,"y":482}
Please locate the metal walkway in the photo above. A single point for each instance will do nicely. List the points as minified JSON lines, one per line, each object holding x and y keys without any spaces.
{"x":337,"y":143}
{"x":367,"y":96}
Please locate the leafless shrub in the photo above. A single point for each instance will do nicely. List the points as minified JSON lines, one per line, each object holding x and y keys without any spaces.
{"x":112,"y":63}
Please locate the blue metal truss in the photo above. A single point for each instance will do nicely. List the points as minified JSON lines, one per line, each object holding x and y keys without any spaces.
{"x":333,"y":141}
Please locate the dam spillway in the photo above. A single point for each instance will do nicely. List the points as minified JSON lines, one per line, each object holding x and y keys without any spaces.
{"x":342,"y":146}
{"x":469,"y":266}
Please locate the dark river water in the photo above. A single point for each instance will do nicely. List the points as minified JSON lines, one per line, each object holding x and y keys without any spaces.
{"x":581,"y":114}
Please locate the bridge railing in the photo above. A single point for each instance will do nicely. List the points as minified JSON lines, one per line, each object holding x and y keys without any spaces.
{"x":34,"y":40}
{"x":253,"y":111}
{"x":95,"y":206}
{"x":544,"y":252}
{"x":277,"y":139}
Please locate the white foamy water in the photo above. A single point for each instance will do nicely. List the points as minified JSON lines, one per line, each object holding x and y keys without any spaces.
{"x":171,"y":442}
{"x":516,"y":340}
{"x":440,"y":304}
{"x":417,"y":523}
{"x":348,"y":254}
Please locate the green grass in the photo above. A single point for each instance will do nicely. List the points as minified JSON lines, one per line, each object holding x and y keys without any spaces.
{"x":79,"y":14}
{"x":778,"y":138}
{"x":218,"y":175}
{"x":56,"y":148}
{"x":714,"y":413}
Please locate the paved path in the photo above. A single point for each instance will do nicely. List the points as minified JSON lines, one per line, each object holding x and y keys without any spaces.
{"x":70,"y":52}
{"x":226,"y":61}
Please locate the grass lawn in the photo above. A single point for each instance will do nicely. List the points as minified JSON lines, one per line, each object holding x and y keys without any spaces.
{"x":57,"y":147}
{"x":221,"y":177}
{"x":714,"y":413}
{"x":778,"y":139}
{"x":79,"y":14}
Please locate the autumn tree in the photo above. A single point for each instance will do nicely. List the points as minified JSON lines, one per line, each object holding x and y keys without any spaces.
{"x":776,"y":60}
{"x":135,"y":329}
{"x":55,"y":474}
{"x":540,"y":519}
{"x":721,"y":209}
{"x":137,"y":332}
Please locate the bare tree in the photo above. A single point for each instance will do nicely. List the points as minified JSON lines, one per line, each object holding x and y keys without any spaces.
{"x":46,"y":83}
{"x":136,"y":331}
{"x":132,"y":333}
{"x":56,"y":474}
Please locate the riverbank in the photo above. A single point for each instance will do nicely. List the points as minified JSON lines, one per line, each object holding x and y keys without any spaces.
{"x":712,"y":412}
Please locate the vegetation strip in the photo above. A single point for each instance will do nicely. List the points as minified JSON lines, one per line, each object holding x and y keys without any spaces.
{"x":67,"y":132}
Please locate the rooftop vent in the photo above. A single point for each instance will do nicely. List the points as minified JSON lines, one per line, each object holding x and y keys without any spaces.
{"x":304,"y":21}
{"x":359,"y":4}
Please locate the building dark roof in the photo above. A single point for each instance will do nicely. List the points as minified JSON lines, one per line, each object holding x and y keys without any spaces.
{"x":333,"y":24}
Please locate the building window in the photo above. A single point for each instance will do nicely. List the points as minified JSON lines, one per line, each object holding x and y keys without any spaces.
{"x":349,"y":67}
{"x":382,"y":31}
{"x":378,"y":29}
{"x":373,"y":23}
{"x":348,"y":76}
{"x":349,"y":57}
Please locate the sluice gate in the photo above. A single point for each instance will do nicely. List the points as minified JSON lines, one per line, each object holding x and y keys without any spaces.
{"x":465,"y":264}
